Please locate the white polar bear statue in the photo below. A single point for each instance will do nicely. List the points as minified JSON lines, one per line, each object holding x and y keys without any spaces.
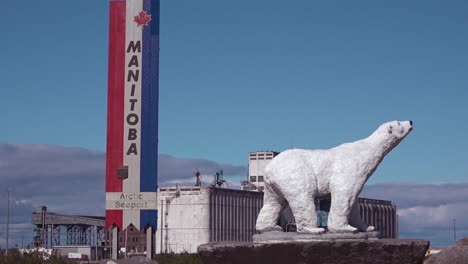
{"x":297,"y":177}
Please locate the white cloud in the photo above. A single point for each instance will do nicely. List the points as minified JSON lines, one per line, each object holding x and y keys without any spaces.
{"x":426,"y":210}
{"x":71,"y":181}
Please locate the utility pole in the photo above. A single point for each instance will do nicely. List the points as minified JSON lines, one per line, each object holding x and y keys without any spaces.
{"x":96,"y":229}
{"x":126,"y":238}
{"x":8,"y":219}
{"x":454,"y":229}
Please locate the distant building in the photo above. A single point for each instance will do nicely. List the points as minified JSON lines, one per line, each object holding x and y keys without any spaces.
{"x":74,"y":234}
{"x":51,"y":229}
{"x":378,"y":213}
{"x":257,"y":163}
{"x":189,"y":216}
{"x":131,"y":240}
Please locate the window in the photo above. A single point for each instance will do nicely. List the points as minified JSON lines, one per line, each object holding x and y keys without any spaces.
{"x":136,"y":239}
{"x":253,"y":178}
{"x":260,"y":178}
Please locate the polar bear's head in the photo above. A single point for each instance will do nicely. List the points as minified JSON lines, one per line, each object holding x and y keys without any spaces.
{"x":392,"y":133}
{"x":397,"y":129}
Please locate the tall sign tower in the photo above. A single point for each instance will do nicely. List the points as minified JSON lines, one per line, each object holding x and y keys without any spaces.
{"x":132,"y":118}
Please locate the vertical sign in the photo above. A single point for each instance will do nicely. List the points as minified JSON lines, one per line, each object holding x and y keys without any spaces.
{"x":132,"y":121}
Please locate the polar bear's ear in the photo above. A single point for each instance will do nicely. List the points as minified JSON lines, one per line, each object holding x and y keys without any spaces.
{"x":390,"y":129}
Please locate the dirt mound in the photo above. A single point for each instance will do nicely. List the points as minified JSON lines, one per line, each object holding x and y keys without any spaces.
{"x":455,"y":254}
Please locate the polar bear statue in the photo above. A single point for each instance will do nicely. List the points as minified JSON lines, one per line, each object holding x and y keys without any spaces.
{"x":297,"y":177}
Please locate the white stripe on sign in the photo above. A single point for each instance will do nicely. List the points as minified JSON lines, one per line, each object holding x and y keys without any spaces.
{"x":131,"y":201}
{"x":132,"y":109}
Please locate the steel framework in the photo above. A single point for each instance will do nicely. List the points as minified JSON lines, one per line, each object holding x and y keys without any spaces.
{"x":57,"y":229}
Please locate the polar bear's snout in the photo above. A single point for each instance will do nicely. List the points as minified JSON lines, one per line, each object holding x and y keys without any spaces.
{"x":410,"y":126}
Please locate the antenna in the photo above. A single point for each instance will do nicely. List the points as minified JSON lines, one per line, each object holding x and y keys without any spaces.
{"x":218,"y":179}
{"x":197,"y":178}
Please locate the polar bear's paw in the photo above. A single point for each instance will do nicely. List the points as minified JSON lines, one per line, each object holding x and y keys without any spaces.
{"x":269,"y":229}
{"x":311,"y":230}
{"x":276,"y":228}
{"x":343,"y":229}
{"x":370,"y":229}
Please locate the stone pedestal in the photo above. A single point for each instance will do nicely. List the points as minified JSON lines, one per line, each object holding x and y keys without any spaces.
{"x":279,"y":236}
{"x":332,"y":251}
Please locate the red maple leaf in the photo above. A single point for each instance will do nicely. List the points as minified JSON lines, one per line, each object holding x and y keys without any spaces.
{"x":142,"y":19}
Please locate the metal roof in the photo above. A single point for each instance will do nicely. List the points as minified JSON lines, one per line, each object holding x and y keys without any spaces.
{"x":59,"y":219}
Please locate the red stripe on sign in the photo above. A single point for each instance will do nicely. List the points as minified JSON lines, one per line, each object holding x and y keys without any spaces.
{"x":115,"y":100}
{"x":115,"y":106}
{"x":114,"y":217}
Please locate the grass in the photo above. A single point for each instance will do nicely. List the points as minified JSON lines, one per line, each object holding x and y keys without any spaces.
{"x":15,"y":257}
{"x":183,"y":258}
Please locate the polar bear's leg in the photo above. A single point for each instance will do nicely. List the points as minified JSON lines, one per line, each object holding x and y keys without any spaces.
{"x":303,"y":208}
{"x":356,"y":220}
{"x":273,"y":204}
{"x":342,"y":200}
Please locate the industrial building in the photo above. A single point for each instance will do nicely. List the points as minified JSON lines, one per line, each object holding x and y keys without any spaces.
{"x":131,"y":240}
{"x":257,"y":163}
{"x":381,"y":214}
{"x":69,"y":233}
{"x":378,"y":213}
{"x":189,"y":216}
{"x":52,"y":229}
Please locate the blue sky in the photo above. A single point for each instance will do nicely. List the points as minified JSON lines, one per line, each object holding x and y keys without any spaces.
{"x":241,"y":76}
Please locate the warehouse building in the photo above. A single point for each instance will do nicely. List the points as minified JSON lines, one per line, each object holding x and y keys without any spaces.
{"x":69,"y":234}
{"x":257,"y":163}
{"x":378,"y":213}
{"x":189,"y":216}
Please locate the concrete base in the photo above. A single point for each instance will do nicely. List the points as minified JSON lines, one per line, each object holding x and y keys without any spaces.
{"x":280,"y":237}
{"x":339,"y":251}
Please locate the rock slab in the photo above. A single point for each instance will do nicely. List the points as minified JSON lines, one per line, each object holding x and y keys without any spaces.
{"x":346,"y":251}
{"x":455,"y":254}
{"x":279,"y":236}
